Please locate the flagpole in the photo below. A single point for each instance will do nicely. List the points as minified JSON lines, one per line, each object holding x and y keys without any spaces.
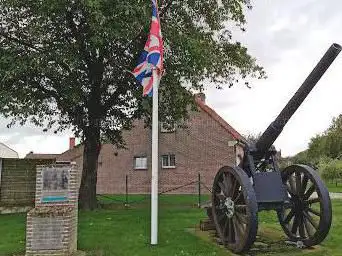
{"x":155,"y":165}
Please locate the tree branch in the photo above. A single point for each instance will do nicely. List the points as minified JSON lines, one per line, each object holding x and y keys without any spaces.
{"x":164,"y":9}
{"x":20,"y":42}
{"x":33,"y":47}
{"x":79,"y":38}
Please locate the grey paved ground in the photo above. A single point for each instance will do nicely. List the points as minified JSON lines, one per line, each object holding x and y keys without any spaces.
{"x":334,"y":195}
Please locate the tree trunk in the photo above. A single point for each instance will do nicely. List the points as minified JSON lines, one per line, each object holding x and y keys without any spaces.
{"x":92,"y":145}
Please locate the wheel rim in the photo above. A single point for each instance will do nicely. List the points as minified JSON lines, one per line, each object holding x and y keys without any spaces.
{"x":308,"y":216}
{"x":232,"y":212}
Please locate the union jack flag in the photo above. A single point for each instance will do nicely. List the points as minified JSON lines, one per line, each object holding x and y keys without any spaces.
{"x":152,"y":55}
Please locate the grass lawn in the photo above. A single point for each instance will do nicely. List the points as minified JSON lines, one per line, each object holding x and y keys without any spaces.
{"x":333,"y":188}
{"x":121,"y":231}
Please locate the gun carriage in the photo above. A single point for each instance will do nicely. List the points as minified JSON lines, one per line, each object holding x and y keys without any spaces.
{"x":296,"y":193}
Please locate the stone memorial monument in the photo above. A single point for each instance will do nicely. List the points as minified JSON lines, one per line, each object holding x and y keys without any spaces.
{"x":52,"y":224}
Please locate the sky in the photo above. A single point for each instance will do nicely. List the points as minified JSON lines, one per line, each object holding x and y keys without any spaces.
{"x":287,"y":38}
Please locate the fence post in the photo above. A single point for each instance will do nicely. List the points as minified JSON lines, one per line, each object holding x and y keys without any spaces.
{"x":0,"y":175}
{"x":126,"y":199}
{"x":199,"y":190}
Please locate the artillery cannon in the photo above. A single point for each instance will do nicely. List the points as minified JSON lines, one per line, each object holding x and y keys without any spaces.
{"x":296,"y":193}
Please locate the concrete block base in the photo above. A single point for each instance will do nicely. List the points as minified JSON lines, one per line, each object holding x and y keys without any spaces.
{"x":51,"y":231}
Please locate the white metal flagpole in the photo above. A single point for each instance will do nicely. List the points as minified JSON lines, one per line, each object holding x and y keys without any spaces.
{"x":155,"y":165}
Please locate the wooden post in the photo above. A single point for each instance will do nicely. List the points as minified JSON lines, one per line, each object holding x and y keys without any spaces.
{"x":126,"y":199}
{"x":199,"y":190}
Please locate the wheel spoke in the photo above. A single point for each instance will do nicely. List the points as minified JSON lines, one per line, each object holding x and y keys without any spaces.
{"x":239,"y":231}
{"x":289,"y":216}
{"x":308,"y":228}
{"x":304,"y":183}
{"x":295,"y":224}
{"x":240,"y":208}
{"x":314,"y":212}
{"x":238,"y":196}
{"x":225,"y":177}
{"x":301,"y":227}
{"x":234,"y":188}
{"x":298,"y":183}
{"x":221,"y":217}
{"x":309,"y":192}
{"x":292,"y":185}
{"x":292,"y":193}
{"x":220,"y":196}
{"x":241,"y":218}
{"x":219,"y":208}
{"x":313,"y":200}
{"x":226,"y":227}
{"x":231,"y":232}
{"x":228,"y":183}
{"x":310,"y":219}
{"x":222,"y":187}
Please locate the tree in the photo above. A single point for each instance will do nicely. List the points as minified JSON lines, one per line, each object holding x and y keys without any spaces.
{"x":253,"y":138}
{"x":299,"y":158}
{"x":329,"y":143}
{"x":67,"y":64}
{"x":331,"y":170}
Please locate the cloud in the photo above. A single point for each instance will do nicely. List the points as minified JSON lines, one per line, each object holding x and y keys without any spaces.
{"x":288,"y":38}
{"x":24,"y":139}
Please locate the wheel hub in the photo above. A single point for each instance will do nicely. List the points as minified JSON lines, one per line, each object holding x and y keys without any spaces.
{"x":299,"y":204}
{"x":229,"y":204}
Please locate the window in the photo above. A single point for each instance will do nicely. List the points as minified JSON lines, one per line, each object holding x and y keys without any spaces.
{"x":140,"y":162}
{"x":169,"y":161}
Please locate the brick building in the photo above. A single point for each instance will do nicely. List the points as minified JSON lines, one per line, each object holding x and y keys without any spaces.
{"x":205,"y":145}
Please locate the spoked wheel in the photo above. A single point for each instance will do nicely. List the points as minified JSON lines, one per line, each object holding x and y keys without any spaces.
{"x":234,"y":209}
{"x":308,"y":216}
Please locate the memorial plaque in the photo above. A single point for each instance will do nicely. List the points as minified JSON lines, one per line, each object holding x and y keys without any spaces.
{"x":55,"y":184}
{"x":52,"y":224}
{"x":47,"y":234}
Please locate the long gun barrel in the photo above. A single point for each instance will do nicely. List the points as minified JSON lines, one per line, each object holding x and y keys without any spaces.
{"x":274,"y":129}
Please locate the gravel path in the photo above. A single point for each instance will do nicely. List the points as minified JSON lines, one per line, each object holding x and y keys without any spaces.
{"x":334,"y":195}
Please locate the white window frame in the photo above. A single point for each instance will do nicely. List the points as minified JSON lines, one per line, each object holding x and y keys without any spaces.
{"x":169,"y":161}
{"x":139,"y":167}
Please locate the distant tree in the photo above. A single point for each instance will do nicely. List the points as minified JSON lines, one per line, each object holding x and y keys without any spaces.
{"x":67,"y":63}
{"x":253,"y":138}
{"x":331,"y":170}
{"x":329,"y":143}
{"x":317,"y":146}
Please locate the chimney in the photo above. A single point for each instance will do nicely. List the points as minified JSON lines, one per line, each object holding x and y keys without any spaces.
{"x":71,"y":142}
{"x":200,"y":96}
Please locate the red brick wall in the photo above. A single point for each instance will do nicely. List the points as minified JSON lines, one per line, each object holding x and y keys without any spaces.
{"x":200,"y":148}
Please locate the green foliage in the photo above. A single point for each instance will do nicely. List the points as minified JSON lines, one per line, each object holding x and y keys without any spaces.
{"x":304,"y":158}
{"x":67,"y":62}
{"x":330,"y":169}
{"x":329,"y":143}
